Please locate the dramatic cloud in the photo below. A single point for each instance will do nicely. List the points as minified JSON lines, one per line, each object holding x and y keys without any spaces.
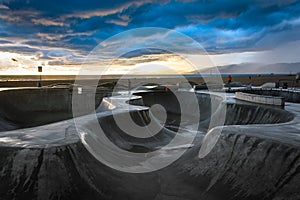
{"x":63,"y":32}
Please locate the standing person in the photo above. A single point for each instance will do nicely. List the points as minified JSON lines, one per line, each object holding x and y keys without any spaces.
{"x":229,"y":79}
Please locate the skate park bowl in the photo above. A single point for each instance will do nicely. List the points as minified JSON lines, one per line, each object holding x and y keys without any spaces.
{"x":256,"y":155}
{"x":23,"y":108}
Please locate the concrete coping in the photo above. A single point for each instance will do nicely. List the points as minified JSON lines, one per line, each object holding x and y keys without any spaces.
{"x":262,"y":99}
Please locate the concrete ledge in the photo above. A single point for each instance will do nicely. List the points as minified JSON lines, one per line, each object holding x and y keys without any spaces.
{"x":262,"y":99}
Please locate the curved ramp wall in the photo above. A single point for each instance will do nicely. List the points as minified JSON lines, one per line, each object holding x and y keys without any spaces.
{"x":236,"y":113}
{"x":22,"y":108}
{"x":287,"y":94}
{"x":262,"y":99}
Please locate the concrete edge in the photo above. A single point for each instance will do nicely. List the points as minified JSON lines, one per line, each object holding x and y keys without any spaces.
{"x":261,"y":99}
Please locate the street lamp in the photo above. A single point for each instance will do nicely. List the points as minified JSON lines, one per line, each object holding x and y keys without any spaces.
{"x":40,"y":70}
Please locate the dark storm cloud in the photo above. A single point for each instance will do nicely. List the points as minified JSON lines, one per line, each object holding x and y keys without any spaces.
{"x":76,"y":25}
{"x":17,"y":49}
{"x":5,"y":42}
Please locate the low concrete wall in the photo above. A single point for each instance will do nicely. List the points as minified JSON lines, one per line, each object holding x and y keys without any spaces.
{"x":290,"y":95}
{"x":269,"y":100}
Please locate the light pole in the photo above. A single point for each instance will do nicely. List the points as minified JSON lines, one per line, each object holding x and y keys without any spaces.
{"x":40,"y":70}
{"x":129,"y":86}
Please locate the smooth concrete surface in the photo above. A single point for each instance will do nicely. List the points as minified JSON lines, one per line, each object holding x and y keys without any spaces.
{"x":262,"y":99}
{"x":256,"y":156}
{"x":30,"y":107}
{"x":290,"y":95}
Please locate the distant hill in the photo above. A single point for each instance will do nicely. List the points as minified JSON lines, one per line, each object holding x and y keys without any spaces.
{"x":255,"y":68}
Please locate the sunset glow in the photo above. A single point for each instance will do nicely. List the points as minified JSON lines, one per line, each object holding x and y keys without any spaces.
{"x":60,"y":37}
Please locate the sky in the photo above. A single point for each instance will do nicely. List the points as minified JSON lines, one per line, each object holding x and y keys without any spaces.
{"x":59,"y":35}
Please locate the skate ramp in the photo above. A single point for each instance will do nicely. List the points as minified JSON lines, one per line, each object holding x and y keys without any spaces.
{"x":240,"y":113}
{"x":23,"y":108}
{"x":256,"y":157}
